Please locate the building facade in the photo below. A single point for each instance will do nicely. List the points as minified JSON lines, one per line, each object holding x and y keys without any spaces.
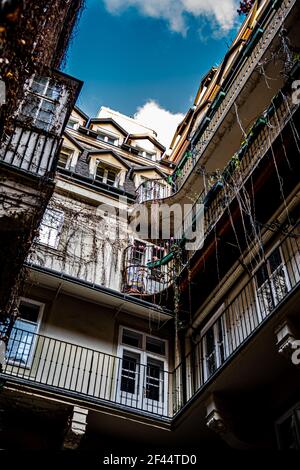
{"x":147,"y":340}
{"x":35,"y":106}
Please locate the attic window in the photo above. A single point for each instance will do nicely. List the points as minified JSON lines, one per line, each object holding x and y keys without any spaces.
{"x":107,"y":175}
{"x":65,"y":157}
{"x":73,"y":123}
{"x":145,"y":154}
{"x":110,"y":139}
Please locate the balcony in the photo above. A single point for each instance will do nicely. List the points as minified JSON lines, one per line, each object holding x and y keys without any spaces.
{"x":153,"y":189}
{"x":70,"y":370}
{"x":32,"y":151}
{"x":227,"y":186}
{"x":31,"y":143}
{"x":275,"y":279}
{"x":147,"y":269}
{"x":246,"y":63}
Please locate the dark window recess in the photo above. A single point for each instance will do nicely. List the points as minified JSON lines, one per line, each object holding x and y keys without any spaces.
{"x":132,"y":338}
{"x":29,"y":312}
{"x":129,"y":374}
{"x":154,"y":380}
{"x":155,"y":346}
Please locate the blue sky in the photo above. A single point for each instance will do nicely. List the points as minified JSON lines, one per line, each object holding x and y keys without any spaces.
{"x":130,"y":52}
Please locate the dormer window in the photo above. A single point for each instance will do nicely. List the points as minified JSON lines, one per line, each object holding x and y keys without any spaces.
{"x":109,"y":139}
{"x":107,"y":175}
{"x":64,"y":158}
{"x":144,"y":153}
{"x":73,"y":124}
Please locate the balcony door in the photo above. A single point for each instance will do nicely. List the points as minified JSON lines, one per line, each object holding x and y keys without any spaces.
{"x":272,"y":283}
{"x":214,"y":342}
{"x":142,"y":373}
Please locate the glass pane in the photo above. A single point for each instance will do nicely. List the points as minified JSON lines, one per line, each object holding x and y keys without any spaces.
{"x":111,"y":177}
{"x":62,"y":160}
{"x":154,"y":379}
{"x":155,"y":345}
{"x":53,"y":91}
{"x":131,"y":338}
{"x":39,"y":85}
{"x":100,"y":173}
{"x":138,"y":252}
{"x":101,"y":136}
{"x":20,"y":342}
{"x":261,"y":275}
{"x":275,"y":260}
{"x":129,"y":371}
{"x":29,"y":312}
{"x":31,"y":106}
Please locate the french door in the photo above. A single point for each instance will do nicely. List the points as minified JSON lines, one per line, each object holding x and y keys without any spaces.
{"x":142,"y":379}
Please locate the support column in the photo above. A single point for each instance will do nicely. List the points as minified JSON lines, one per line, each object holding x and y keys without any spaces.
{"x":76,"y":428}
{"x":287,"y":344}
{"x":219,"y":421}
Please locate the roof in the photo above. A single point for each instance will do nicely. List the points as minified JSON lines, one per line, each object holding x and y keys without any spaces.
{"x":106,"y":151}
{"x":108,"y":121}
{"x":81,"y":113}
{"x":148,"y":137}
{"x":74,"y":141}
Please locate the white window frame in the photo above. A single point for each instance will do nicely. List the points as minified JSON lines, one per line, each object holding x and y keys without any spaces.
{"x":213,"y":323}
{"x":106,"y":169}
{"x":58,"y":230}
{"x":146,"y":154}
{"x":107,"y":136}
{"x":43,"y":98}
{"x":70,"y":152}
{"x":160,"y":406}
{"x":29,"y":361}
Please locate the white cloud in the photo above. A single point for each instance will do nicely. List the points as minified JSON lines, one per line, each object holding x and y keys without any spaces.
{"x":222,"y":13}
{"x":159,"y":119}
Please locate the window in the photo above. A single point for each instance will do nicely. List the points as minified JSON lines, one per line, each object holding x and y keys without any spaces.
{"x":50,"y":228}
{"x":41,"y":102}
{"x":72,"y":123}
{"x":214,"y":347}
{"x":144,"y":153}
{"x":271,"y":282}
{"x":110,"y":139}
{"x":22,"y":340}
{"x":138,"y":253}
{"x":65,"y":157}
{"x":143,"y":371}
{"x":107,"y":175}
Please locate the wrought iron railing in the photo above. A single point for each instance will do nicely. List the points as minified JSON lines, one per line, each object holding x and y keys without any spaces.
{"x":276,"y":277}
{"x":148,"y":269}
{"x":67,"y":368}
{"x":153,"y":189}
{"x":215,"y":201}
{"x":229,"y":93}
{"x":30,"y":150}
